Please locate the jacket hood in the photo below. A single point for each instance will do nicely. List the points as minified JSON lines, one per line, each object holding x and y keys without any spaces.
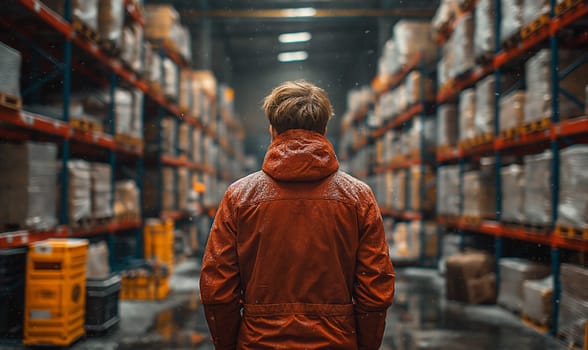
{"x":300,"y":155}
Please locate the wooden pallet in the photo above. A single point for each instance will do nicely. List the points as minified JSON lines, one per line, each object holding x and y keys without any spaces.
{"x":566,"y":6}
{"x":510,"y":133}
{"x":535,"y":26}
{"x":485,"y":59}
{"x":572,"y":232}
{"x":538,"y":125}
{"x":128,"y":140}
{"x":10,"y":101}
{"x":155,"y":87}
{"x":544,"y":329}
{"x":86,"y":31}
{"x":477,"y":140}
{"x":475,"y":220}
{"x":512,"y":41}
{"x":101,"y":221}
{"x":536,"y":229}
{"x":86,"y":125}
{"x":109,"y":47}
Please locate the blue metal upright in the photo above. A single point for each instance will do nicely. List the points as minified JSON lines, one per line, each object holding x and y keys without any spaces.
{"x":423,"y":158}
{"x":67,"y":62}
{"x":498,"y":241}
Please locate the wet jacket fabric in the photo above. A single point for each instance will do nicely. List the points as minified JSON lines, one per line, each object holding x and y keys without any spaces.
{"x":296,"y":257}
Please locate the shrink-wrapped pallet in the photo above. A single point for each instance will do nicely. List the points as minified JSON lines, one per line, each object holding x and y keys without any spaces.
{"x":463,"y":46}
{"x":168,"y":194}
{"x":399,"y":190}
{"x":10,"y":61}
{"x":573,"y":313}
{"x":152,"y":70}
{"x":537,"y":203}
{"x":479,"y":193}
{"x":101,"y":176}
{"x":512,"y":18}
{"x":97,"y":266}
{"x":538,"y":103}
{"x":470,"y":278}
{"x":513,"y":192}
{"x":137,"y":114}
{"x":185,"y":97}
{"x":184,"y":139}
{"x":429,"y":188}
{"x":485,"y":98}
{"x":419,"y":129}
{"x":447,"y":126}
{"x":83,"y":10}
{"x":513,"y":274}
{"x":445,"y":63}
{"x":79,"y":191}
{"x":126,"y":200}
{"x":165,"y":134}
{"x":28,"y":175}
{"x":445,"y":13}
{"x":407,"y":241}
{"x":512,"y":110}
{"x":388,"y":61}
{"x":131,"y":43}
{"x":389,"y":199}
{"x":414,"y":83}
{"x":197,"y":145}
{"x":183,"y":188}
{"x":413,"y":38}
{"x":160,"y":21}
{"x":538,"y":300}
{"x":448,"y":194}
{"x":170,"y":78}
{"x":123,"y":112}
{"x":533,"y":9}
{"x":111,"y":17}
{"x":573,"y":190}
{"x":485,"y":35}
{"x":467,"y":113}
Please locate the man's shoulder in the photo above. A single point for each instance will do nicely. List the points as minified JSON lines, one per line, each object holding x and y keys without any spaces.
{"x":350,"y":185}
{"x":247,"y":187}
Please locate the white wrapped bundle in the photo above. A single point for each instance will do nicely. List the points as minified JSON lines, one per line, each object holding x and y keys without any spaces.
{"x":170,"y":78}
{"x":413,"y":88}
{"x":513,"y":273}
{"x":83,"y":10}
{"x":538,"y":300}
{"x":126,"y":199}
{"x":467,"y":112}
{"x":485,"y":98}
{"x":532,"y":9}
{"x":10,"y":61}
{"x":412,"y":38}
{"x":399,"y":190}
{"x":512,"y":110}
{"x":480,"y":190}
{"x":28,"y":175}
{"x":152,"y":67}
{"x":79,"y":191}
{"x":512,"y":18}
{"x":538,"y":189}
{"x":538,"y":103}
{"x":447,"y":128}
{"x":137,"y":114}
{"x":123,"y":112}
{"x":429,"y":182}
{"x":443,"y":16}
{"x":448,"y":197}
{"x":573,"y":193}
{"x":111,"y":17}
{"x":101,"y":190}
{"x":484,"y":36}
{"x":445,"y":63}
{"x":388,"y":61}
{"x":463,"y":45}
{"x":513,"y":192}
{"x":573,"y":315}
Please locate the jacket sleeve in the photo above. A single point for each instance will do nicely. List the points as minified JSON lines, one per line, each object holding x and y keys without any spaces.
{"x":374,"y":277}
{"x":220,"y":283}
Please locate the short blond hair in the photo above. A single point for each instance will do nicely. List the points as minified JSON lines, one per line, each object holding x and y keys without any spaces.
{"x":298,"y":105}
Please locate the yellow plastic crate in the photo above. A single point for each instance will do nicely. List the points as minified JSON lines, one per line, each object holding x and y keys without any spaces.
{"x":56,"y":259}
{"x":158,"y":240}
{"x":144,"y":286}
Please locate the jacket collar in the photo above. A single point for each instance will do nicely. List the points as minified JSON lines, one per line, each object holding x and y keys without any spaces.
{"x":299,"y":155}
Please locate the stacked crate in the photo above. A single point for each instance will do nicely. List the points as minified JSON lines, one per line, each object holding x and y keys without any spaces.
{"x":55,"y":295}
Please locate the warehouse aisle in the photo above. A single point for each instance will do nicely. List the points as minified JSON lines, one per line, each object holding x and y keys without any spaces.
{"x":420,"y":319}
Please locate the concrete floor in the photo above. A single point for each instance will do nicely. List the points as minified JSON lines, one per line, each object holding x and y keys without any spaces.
{"x":420,"y":319}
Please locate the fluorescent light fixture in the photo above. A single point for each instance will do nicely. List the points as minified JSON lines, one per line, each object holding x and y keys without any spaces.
{"x":300,"y":12}
{"x":300,"y":37}
{"x":292,"y":56}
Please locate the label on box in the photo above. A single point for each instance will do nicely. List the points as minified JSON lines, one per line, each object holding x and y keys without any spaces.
{"x":43,"y":249}
{"x":40,"y":314}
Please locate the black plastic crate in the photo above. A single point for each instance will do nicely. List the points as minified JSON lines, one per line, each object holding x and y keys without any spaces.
{"x":102,"y":304}
{"x":13,"y":263}
{"x":12,"y":290}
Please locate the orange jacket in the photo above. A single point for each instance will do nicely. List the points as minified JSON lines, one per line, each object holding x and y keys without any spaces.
{"x":296,"y":257}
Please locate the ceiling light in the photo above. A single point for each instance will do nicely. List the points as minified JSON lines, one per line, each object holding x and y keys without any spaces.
{"x":300,"y":37}
{"x":300,"y":12}
{"x":292,"y":56}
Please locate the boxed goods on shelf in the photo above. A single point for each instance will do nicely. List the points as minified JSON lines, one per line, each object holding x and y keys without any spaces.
{"x":412,"y":38}
{"x":123,"y":112}
{"x":101,"y":177}
{"x":399,"y":190}
{"x":538,"y":103}
{"x":164,"y":133}
{"x":97,"y":266}
{"x":389,"y":199}
{"x":126,"y":200}
{"x":429,"y":189}
{"x":512,"y":19}
{"x":447,"y":125}
{"x":28,"y":175}
{"x":79,"y":191}
{"x":131,"y":44}
{"x":83,"y":10}
{"x":152,"y":66}
{"x":184,"y":139}
{"x":467,"y":112}
{"x":448,"y":193}
{"x":485,"y":97}
{"x":185,"y":97}
{"x":170,"y":78}
{"x":573,"y":192}
{"x":407,"y":241}
{"x":532,"y":9}
{"x":414,"y":80}
{"x":102,"y":296}
{"x":160,"y":21}
{"x":513,"y":192}
{"x":183,"y":188}
{"x":513,"y":273}
{"x":196,"y":145}
{"x":55,"y":301}
{"x":538,"y":300}
{"x":425,"y":129}
{"x":463,"y":46}
{"x":537,"y":203}
{"x":479,"y":190}
{"x":484,"y":34}
{"x":512,"y":110}
{"x":168,"y":201}
{"x":573,"y":313}
{"x":445,"y":13}
{"x":12,"y":290}
{"x":10,"y":61}
{"x":111,"y":17}
{"x":387,"y":62}
{"x":470,"y":278}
